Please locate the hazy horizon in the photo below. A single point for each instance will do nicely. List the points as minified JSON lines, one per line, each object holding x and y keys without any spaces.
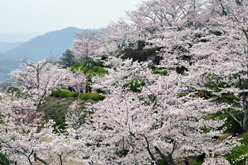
{"x":42,"y":16}
{"x":17,"y":37}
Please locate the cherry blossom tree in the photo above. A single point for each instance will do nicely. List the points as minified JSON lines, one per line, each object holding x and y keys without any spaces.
{"x":219,"y":41}
{"x":204,"y":46}
{"x":155,"y":123}
{"x":86,"y":44}
{"x":216,"y":161}
{"x":38,"y":79}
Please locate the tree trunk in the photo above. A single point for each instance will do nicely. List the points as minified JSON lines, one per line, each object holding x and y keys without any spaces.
{"x":168,"y":160}
{"x":60,"y":159}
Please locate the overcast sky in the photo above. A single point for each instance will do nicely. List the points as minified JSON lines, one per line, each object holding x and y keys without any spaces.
{"x":41,"y":16}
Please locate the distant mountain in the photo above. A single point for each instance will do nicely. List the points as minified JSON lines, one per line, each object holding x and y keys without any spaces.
{"x":6,"y":46}
{"x":52,"y":44}
{"x":6,"y":66}
{"x":17,"y":37}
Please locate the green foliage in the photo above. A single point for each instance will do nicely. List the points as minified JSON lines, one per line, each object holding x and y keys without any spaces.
{"x":63,"y":94}
{"x":199,"y":160}
{"x":182,"y":94}
{"x":98,"y":63}
{"x":122,"y":153}
{"x":3,"y":159}
{"x":92,"y":69}
{"x":91,"y":96}
{"x":101,"y":71}
{"x":230,"y":97}
{"x":67,"y":59}
{"x":77,"y":65}
{"x":12,"y":90}
{"x":245,"y":139}
{"x":237,"y":152}
{"x":95,"y":68}
{"x":231,"y":125}
{"x":216,"y":32}
{"x":1,"y":117}
{"x":90,"y":74}
{"x":141,"y":54}
{"x":55,"y":93}
{"x":135,"y":84}
{"x":164,"y":72}
{"x":84,"y":69}
{"x":56,"y":110}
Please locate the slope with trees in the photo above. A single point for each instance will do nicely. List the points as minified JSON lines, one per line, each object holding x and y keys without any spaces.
{"x":173,"y":111}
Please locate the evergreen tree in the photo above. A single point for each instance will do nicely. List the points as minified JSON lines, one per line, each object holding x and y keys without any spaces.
{"x":67,"y":59}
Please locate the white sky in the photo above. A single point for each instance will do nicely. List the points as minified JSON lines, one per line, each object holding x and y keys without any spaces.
{"x":41,"y":16}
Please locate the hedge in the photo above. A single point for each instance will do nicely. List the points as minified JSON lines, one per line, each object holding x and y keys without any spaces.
{"x":3,"y":159}
{"x":91,"y":96}
{"x":64,"y":94}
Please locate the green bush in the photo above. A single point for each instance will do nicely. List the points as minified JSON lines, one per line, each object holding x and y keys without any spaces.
{"x":237,"y":152}
{"x":55,"y":93}
{"x":164,"y":72}
{"x":98,"y":63}
{"x":78,"y":65}
{"x":101,"y":70}
{"x":90,"y":73}
{"x":56,"y":110}
{"x":72,"y":94}
{"x":245,"y":139}
{"x":3,"y":159}
{"x":1,"y":117}
{"x":63,"y":94}
{"x":91,"y":96}
{"x":84,"y":69}
{"x":122,"y":153}
{"x":95,"y":68}
{"x":135,"y":84}
{"x":231,"y":125}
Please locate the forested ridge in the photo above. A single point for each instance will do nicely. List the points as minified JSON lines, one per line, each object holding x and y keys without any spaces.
{"x":166,"y":85}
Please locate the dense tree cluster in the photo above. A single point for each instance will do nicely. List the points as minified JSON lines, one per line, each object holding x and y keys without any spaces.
{"x":157,"y":109}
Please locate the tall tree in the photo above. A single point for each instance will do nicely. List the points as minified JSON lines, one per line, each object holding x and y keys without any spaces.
{"x":67,"y":59}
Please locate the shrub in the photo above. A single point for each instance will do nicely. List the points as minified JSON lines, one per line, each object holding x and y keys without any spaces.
{"x":164,"y":72}
{"x":55,"y":93}
{"x":63,"y":94}
{"x":85,"y":96}
{"x":84,"y":69}
{"x":72,"y":94}
{"x":231,"y":125}
{"x":239,"y":154}
{"x":135,"y":84}
{"x":3,"y":159}
{"x":122,"y":153}
{"x":101,"y":70}
{"x":56,"y":110}
{"x":78,"y":65}
{"x":91,"y":96}
{"x":98,"y":63}
{"x":95,"y":68}
{"x":1,"y":117}
{"x":90,"y":73}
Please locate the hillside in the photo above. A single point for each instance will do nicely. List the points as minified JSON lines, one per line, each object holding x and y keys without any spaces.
{"x":17,"y":37}
{"x":6,"y":66}
{"x":6,"y":46}
{"x":51,"y":44}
